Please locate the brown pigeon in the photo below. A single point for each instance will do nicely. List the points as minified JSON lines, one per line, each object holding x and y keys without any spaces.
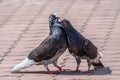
{"x":49,"y":50}
{"x":80,"y":47}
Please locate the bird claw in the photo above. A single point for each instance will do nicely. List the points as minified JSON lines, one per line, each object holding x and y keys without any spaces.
{"x":61,"y":69}
{"x":49,"y":72}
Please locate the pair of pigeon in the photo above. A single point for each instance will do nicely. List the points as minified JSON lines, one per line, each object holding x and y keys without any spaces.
{"x":62,"y":36}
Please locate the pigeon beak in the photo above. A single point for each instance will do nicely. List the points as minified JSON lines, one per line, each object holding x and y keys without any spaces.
{"x":54,"y":17}
{"x":57,"y":18}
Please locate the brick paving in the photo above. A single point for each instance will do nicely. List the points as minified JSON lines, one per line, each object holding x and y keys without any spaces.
{"x":24,"y":24}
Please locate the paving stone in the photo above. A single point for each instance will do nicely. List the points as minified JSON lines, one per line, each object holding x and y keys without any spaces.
{"x":24,"y":24}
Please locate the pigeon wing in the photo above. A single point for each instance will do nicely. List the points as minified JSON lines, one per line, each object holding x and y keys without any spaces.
{"x":46,"y":50}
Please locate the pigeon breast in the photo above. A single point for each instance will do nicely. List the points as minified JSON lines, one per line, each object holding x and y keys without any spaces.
{"x":50,"y":46}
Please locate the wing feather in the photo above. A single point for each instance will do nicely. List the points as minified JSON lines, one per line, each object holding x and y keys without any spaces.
{"x":46,"y":50}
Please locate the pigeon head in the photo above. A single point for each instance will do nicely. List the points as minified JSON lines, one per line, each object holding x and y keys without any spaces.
{"x":66,"y":23}
{"x":53,"y":17}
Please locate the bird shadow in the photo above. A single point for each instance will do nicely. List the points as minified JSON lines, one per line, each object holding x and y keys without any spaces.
{"x":102,"y":71}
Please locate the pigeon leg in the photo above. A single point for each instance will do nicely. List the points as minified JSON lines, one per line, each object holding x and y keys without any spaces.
{"x":55,"y":64}
{"x":89,"y":65}
{"x":78,"y":60}
{"x":48,"y":70}
{"x":59,"y":68}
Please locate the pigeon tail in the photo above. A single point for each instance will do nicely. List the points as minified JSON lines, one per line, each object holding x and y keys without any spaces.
{"x":99,"y":56}
{"x":24,"y":64}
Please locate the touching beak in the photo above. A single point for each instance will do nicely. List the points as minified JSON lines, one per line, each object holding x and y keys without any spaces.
{"x":57,"y":18}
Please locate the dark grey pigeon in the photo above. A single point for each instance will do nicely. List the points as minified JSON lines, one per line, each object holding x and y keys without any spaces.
{"x":49,"y":50}
{"x":80,"y":47}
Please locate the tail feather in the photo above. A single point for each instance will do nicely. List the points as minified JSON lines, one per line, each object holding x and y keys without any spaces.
{"x":96,"y":62}
{"x":100,"y":55}
{"x":24,"y":64}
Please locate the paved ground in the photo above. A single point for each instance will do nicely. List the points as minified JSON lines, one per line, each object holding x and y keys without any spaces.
{"x":24,"y":24}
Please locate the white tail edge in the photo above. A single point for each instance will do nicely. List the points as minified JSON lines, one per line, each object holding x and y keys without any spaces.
{"x":24,"y":64}
{"x":100,"y":55}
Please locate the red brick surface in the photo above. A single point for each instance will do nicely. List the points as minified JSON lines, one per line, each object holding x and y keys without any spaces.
{"x":24,"y":24}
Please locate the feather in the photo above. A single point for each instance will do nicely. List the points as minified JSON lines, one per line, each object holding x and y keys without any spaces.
{"x":24,"y":64}
{"x":50,"y":49}
{"x":79,"y":46}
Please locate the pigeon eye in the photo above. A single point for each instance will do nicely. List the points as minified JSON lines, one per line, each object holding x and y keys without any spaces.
{"x":53,"y":17}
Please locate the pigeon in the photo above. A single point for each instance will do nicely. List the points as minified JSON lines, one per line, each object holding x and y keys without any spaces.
{"x":80,"y":47}
{"x":50,"y":49}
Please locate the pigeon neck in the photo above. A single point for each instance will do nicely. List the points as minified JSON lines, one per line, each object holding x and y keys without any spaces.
{"x":51,"y":23}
